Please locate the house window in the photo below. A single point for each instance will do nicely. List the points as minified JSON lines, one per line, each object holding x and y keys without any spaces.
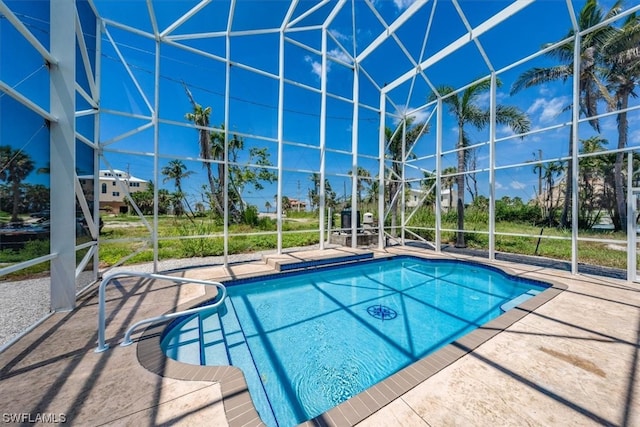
{"x":104,"y":188}
{"x":113,"y":183}
{"x":116,"y":194}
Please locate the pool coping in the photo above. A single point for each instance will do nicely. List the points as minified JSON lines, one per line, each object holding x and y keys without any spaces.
{"x":238,"y":404}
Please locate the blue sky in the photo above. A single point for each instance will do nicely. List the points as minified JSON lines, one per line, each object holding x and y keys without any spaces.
{"x":254,"y":97}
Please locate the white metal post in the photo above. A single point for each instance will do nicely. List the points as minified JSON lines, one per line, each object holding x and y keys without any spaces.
{"x":63,"y":155}
{"x":354,"y":162}
{"x":96,"y":140}
{"x":156,"y":151}
{"x":323,"y":135}
{"x":631,"y":222}
{"x":281,"y":136}
{"x":381,"y":150}
{"x":403,"y":183}
{"x":438,"y":233}
{"x":492,"y":167}
{"x":574,"y":155}
{"x":227,"y":95}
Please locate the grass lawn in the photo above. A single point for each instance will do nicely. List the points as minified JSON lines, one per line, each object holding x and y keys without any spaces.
{"x":183,"y":238}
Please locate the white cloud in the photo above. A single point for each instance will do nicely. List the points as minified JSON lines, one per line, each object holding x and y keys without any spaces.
{"x":403,"y":4}
{"x":339,"y":54}
{"x":545,"y":91}
{"x":340,"y":36}
{"x":499,"y":186}
{"x":503,"y":131}
{"x":316,"y":67}
{"x":634,"y":137}
{"x":418,"y":116}
{"x":517,"y":185}
{"x":548,"y":109}
{"x":399,"y":4}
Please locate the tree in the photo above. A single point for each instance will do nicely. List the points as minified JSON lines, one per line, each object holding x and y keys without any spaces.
{"x":314,"y":193}
{"x":465,"y":110}
{"x":550,"y":171}
{"x":448,"y":183}
{"x":36,"y":197}
{"x":471,"y":160}
{"x":372,"y":191}
{"x":396,"y":146}
{"x":622,"y":59}
{"x":591,"y":87}
{"x":15,"y":166}
{"x":363,"y":178}
{"x":286,"y":203}
{"x":200,"y":117}
{"x":591,"y":181}
{"x":144,"y":200}
{"x":176,"y":170}
{"x":267,"y":206}
{"x":239,"y":176}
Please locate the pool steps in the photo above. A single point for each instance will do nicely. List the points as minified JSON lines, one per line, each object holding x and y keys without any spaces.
{"x":519,"y":300}
{"x":287,"y":262}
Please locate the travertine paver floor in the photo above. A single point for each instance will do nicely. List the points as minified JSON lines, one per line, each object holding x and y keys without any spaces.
{"x":573,"y":361}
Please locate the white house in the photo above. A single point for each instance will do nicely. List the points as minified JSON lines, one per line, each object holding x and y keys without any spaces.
{"x":111,"y":194}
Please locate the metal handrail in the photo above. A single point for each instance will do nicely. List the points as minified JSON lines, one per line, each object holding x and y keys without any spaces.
{"x":102,"y":346}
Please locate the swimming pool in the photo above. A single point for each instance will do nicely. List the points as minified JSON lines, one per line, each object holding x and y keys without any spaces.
{"x":308,"y":341}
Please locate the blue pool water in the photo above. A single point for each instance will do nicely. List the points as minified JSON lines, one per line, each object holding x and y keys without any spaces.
{"x":308,"y":341}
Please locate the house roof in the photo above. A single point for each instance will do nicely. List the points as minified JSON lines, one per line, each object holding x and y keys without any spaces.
{"x":108,"y":175}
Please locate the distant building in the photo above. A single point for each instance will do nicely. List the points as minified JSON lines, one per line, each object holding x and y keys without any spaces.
{"x":112,"y":198}
{"x":297,"y":205}
{"x":416,"y":195}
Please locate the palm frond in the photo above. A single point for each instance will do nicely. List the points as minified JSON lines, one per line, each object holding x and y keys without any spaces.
{"x":473,"y":91}
{"x":478,"y":117}
{"x":513,"y":117}
{"x":537,"y":76}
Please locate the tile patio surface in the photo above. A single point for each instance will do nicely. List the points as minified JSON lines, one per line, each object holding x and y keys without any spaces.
{"x":573,"y":361}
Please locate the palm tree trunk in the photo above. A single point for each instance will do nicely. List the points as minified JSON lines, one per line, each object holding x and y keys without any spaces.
{"x":460,"y":243}
{"x":393,"y":186}
{"x":204,"y":139}
{"x":568,"y":189}
{"x":623,"y":124}
{"x":15,"y":186}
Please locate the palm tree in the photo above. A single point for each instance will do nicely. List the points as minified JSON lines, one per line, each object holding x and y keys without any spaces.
{"x":372,"y":192}
{"x":176,"y":170}
{"x":463,"y":107}
{"x":591,"y":87}
{"x":591,"y":173}
{"x":550,"y":171}
{"x":314,"y":193}
{"x":218,"y":153}
{"x":448,"y":183}
{"x":200,"y":117}
{"x":623,"y":74}
{"x":364,"y":178}
{"x":15,"y":166}
{"x":395,"y":151}
{"x":267,"y":206}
